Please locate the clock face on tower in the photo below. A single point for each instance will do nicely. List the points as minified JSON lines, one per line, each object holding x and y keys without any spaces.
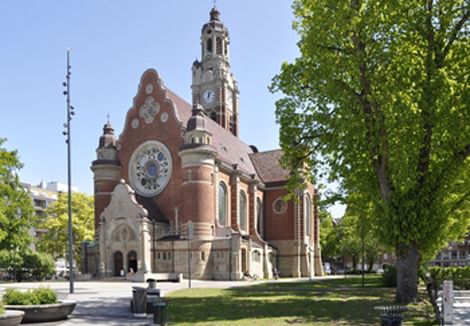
{"x":208,"y":96}
{"x":150,"y":168}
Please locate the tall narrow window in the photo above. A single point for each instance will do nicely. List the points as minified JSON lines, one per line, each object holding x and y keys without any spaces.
{"x":308,"y":214}
{"x":222,"y":204}
{"x":219,"y":46}
{"x":214,"y":116}
{"x":259,"y":217}
{"x":242,"y":216}
{"x":209,"y":45}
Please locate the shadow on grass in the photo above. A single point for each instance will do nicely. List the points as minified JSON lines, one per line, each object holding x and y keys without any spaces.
{"x":284,"y":307}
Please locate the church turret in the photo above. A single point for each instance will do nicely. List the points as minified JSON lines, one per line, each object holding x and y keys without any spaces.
{"x":214,"y":86}
{"x":198,"y":165}
{"x":106,"y":169}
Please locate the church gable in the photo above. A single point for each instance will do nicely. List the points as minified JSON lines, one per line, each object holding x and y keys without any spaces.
{"x":123,"y":205}
{"x":157,"y":115}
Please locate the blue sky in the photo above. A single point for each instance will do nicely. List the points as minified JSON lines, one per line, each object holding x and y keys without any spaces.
{"x":113,"y":42}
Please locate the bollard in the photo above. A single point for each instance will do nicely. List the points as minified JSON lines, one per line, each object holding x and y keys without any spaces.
{"x":447,"y":301}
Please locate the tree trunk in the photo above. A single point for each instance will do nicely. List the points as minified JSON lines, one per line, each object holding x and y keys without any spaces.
{"x":407,"y":273}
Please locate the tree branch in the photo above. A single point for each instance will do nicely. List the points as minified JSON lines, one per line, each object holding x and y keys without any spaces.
{"x":453,"y":37}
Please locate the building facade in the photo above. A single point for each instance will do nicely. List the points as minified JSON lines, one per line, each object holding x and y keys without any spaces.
{"x":179,"y":191}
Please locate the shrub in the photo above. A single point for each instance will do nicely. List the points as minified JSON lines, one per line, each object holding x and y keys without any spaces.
{"x":2,"y":310}
{"x":459,"y":275}
{"x":45,"y":295}
{"x":389,"y":276}
{"x":42,"y":295}
{"x":17,"y":297}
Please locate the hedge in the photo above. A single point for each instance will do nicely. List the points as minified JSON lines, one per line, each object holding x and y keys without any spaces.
{"x":459,"y":275}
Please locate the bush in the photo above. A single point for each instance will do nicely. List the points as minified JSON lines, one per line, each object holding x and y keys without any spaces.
{"x":16,"y":297}
{"x":389,"y":276}
{"x":459,"y":275}
{"x":2,"y":310}
{"x":42,"y":295}
{"x":38,"y":264}
{"x":45,"y":295}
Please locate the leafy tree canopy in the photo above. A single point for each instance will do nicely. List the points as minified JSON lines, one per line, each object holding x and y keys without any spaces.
{"x":16,"y":209}
{"x":55,"y":240}
{"x":380,"y":98}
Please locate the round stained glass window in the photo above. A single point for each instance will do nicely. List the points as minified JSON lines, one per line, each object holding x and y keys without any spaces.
{"x":279,"y":206}
{"x":150,"y":168}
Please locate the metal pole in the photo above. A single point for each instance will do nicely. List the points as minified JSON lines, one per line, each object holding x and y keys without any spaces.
{"x":189,"y":259}
{"x":69,"y":174}
{"x":14,"y":265}
{"x":363,"y":256}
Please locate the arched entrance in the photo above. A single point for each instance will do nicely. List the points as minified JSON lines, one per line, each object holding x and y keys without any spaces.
{"x":118,"y":263}
{"x":132,"y":261}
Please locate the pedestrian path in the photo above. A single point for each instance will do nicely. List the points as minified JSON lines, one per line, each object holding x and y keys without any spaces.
{"x":460,"y":307}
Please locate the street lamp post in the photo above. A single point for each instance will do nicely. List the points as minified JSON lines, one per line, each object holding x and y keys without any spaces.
{"x":70,"y":113}
{"x":190,"y":234}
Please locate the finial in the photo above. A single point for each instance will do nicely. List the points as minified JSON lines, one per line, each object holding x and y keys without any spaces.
{"x":108,"y":117}
{"x":214,"y":2}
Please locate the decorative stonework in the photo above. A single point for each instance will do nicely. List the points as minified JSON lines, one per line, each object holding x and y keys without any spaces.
{"x":280,"y":206}
{"x":164,"y":117}
{"x":149,"y":89}
{"x":149,"y":110}
{"x":123,"y":234}
{"x":135,"y":124}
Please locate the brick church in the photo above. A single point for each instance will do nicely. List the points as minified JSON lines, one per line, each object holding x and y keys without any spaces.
{"x":179,"y":170}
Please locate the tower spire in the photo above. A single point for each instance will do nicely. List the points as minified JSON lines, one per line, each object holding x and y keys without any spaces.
{"x":214,"y":86}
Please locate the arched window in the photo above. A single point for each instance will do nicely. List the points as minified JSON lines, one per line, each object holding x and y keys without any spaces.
{"x":242,"y":215}
{"x":259,"y":217}
{"x":308,"y":214}
{"x":219,"y":46}
{"x":209,"y":45}
{"x":222,"y":204}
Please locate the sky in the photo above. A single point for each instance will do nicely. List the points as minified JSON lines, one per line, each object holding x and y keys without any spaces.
{"x":113,"y":42}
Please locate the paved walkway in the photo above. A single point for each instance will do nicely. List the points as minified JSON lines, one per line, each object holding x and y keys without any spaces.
{"x":108,"y":303}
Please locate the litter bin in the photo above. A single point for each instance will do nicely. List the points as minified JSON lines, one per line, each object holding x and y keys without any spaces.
{"x":391,"y":315}
{"x":139,"y":301}
{"x":152,"y":294}
{"x":152,"y":283}
{"x":159,"y":311}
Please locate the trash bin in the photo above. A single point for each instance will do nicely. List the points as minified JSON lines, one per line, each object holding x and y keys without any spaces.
{"x":152,"y":283}
{"x":391,"y":315}
{"x":139,"y":301}
{"x":152,"y":294}
{"x":159,"y":312}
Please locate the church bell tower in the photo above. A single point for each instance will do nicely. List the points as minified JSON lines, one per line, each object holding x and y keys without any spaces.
{"x":214,"y":86}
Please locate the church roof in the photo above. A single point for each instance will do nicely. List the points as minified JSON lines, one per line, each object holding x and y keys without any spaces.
{"x":268,"y":167}
{"x":231,"y":150}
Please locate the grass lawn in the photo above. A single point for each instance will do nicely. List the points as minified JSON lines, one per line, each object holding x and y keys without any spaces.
{"x":329,"y":302}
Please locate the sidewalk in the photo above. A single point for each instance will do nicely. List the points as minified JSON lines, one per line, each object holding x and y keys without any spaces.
{"x":108,"y":303}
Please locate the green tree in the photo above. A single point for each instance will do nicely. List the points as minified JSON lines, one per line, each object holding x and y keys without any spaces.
{"x":55,"y":240}
{"x":380,"y":95}
{"x":16,"y":209}
{"x":328,"y":236}
{"x":39,"y":264}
